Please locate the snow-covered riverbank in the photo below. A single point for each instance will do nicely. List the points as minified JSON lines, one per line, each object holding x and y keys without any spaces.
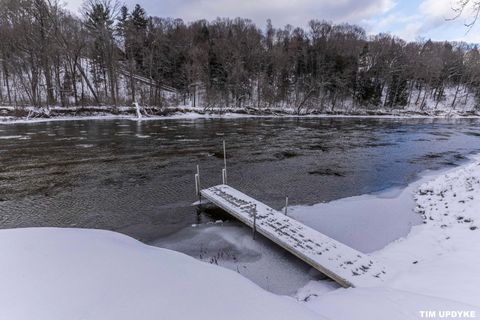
{"x":63,"y":274}
{"x":71,"y":273}
{"x":438,"y":258}
{"x":441,"y":256}
{"x":31,"y":115}
{"x":380,"y":218}
{"x":228,"y":115}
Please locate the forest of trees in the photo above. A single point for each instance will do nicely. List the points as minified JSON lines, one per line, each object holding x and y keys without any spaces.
{"x":109,"y":54}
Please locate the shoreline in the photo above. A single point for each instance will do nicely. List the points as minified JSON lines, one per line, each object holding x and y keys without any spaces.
{"x":436,"y":259}
{"x":227,"y":115}
{"x":29,"y":114}
{"x":370,"y":210}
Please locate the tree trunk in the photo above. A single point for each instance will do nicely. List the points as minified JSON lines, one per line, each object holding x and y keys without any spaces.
{"x":410,"y":93}
{"x":132,"y":82}
{"x":455,"y":96}
{"x":7,"y":82}
{"x":48,"y":81}
{"x":112,"y":80}
{"x":73,"y":75}
{"x":418,"y":95}
{"x":422,"y":105}
{"x":92,"y":90}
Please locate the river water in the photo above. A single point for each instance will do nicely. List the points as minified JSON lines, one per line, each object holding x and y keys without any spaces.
{"x":137,"y":177}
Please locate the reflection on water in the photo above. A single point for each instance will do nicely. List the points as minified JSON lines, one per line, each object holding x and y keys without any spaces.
{"x":260,"y":260}
{"x":137,"y":177}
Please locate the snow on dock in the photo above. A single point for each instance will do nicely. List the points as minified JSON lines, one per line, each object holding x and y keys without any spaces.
{"x":346,"y":266}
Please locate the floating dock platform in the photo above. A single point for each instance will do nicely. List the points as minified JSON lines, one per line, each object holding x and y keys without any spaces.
{"x":345,"y":265}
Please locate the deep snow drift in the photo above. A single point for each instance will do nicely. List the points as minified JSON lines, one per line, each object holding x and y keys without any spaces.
{"x":50,"y":274}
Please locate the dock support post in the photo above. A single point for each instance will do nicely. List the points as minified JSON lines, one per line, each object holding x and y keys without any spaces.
{"x":254,"y":220}
{"x":198,"y":187}
{"x":224,"y":171}
{"x":286,"y":205}
{"x":197,"y":192}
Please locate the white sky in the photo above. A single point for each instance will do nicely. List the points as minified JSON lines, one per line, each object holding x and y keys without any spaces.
{"x":408,"y":19}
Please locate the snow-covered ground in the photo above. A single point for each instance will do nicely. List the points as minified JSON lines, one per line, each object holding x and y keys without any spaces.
{"x":442,"y":256}
{"x":86,"y":274}
{"x":106,"y":116}
{"x":50,"y":274}
{"x":191,"y":115}
{"x":27,"y":114}
{"x":439,"y":259}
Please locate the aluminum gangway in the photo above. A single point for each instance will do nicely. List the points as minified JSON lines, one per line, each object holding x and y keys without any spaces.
{"x":341,"y":263}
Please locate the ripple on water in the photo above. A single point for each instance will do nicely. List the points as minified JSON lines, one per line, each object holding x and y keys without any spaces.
{"x":184,"y":140}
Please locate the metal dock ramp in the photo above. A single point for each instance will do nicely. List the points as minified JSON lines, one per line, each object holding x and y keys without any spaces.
{"x":345,"y":265}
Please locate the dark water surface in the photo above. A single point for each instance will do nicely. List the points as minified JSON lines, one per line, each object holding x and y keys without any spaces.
{"x":137,"y":177}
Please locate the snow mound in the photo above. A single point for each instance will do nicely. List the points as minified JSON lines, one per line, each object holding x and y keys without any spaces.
{"x":384,"y":303}
{"x":49,"y":273}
